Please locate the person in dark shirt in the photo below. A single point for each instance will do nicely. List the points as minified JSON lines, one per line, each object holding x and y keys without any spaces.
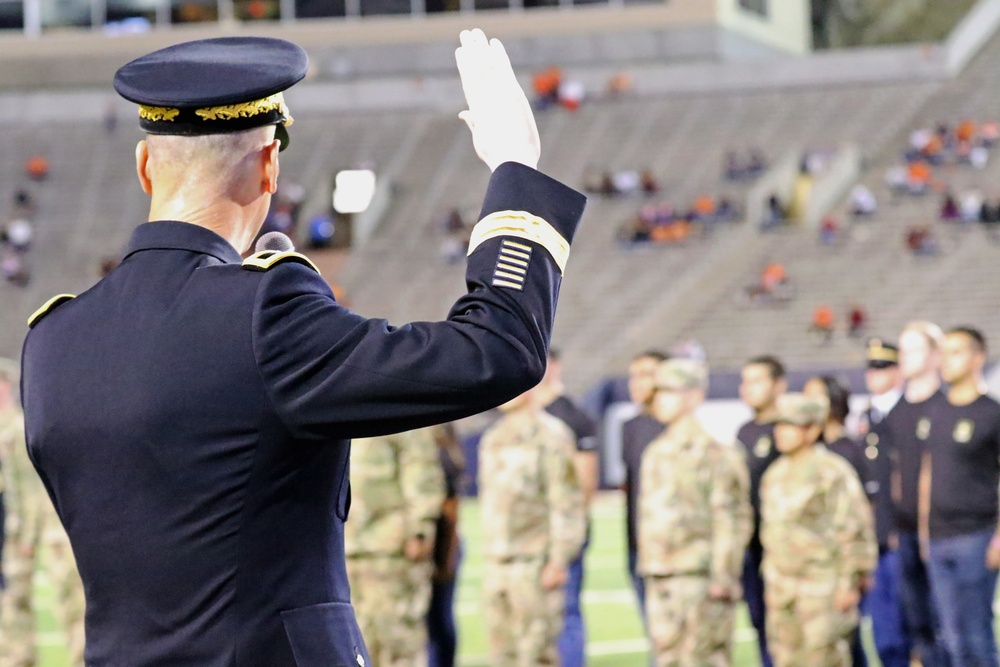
{"x":885,"y":386}
{"x":762,"y":381}
{"x":964,"y":448}
{"x":637,"y":433}
{"x":573,"y":639}
{"x":835,"y":437}
{"x":442,"y":633}
{"x":909,"y":426}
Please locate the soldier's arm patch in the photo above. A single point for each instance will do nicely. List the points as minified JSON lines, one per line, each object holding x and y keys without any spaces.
{"x":266,"y":259}
{"x":48,"y":307}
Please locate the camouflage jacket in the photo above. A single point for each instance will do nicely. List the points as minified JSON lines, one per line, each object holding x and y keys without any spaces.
{"x":694,"y":506}
{"x":532,"y":504}
{"x":397,"y":489}
{"x":816,"y":522}
{"x":26,"y":501}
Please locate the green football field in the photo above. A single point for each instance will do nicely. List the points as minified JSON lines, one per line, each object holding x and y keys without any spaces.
{"x":615,"y":636}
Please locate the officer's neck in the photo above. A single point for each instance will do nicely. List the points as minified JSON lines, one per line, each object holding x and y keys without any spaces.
{"x":966,"y":391}
{"x":229,"y":219}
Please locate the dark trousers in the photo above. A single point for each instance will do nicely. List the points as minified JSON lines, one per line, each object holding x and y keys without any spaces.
{"x":919,"y":608}
{"x":963,"y":589}
{"x":573,"y":638}
{"x":753,"y":593}
{"x":638,"y":583}
{"x":892,"y":637}
{"x":442,"y":635}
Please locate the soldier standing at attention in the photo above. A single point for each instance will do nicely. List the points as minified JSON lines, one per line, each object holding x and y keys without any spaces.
{"x":885,"y":385}
{"x":694,"y":524}
{"x":762,"y":382}
{"x":534,"y":525}
{"x":637,"y":433}
{"x":961,"y":500}
{"x":398,"y":489}
{"x":31,"y":526}
{"x":819,"y":543}
{"x":909,"y":424}
{"x":552,"y":395}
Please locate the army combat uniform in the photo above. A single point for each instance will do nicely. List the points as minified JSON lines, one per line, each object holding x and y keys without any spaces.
{"x":33,"y":529}
{"x":818,"y":539}
{"x":694,"y":524}
{"x":398,"y":488}
{"x":533,"y":514}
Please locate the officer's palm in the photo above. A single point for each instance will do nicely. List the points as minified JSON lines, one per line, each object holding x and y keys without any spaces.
{"x":499,"y":115}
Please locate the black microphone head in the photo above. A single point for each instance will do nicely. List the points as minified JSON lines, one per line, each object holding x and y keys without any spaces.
{"x":274,"y":241}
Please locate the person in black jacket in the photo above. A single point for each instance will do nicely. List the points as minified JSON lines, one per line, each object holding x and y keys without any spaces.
{"x":190,"y":414}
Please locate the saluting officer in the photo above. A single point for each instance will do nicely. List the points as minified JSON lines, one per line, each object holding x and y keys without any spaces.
{"x":190,"y":414}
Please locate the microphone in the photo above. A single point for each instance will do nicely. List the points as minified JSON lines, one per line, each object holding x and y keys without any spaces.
{"x":274,"y":241}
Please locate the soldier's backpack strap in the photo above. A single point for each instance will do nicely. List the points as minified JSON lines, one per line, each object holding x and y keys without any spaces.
{"x":49,"y":306}
{"x":264,"y":260}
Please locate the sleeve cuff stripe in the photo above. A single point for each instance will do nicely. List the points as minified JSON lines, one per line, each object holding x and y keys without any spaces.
{"x":521,"y":225}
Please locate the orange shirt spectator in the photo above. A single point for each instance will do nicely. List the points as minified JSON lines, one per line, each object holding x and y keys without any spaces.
{"x":704,"y":206}
{"x":773,"y":275}
{"x":965,"y":131}
{"x":546,"y":83}
{"x":919,"y":174}
{"x":823,"y":318}
{"x":37,"y":168}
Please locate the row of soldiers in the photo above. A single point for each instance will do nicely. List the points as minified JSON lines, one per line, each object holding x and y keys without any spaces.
{"x":928,"y":460}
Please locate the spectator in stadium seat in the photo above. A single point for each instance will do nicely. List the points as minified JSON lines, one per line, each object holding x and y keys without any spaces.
{"x":546,"y":86}
{"x":37,"y":168}
{"x":18,"y":234}
{"x":950,"y":211}
{"x":863,"y":202}
{"x":989,"y":132}
{"x":920,"y":239}
{"x":823,"y":322}
{"x":650,"y":185}
{"x":918,"y":177}
{"x":857,"y":321}
{"x":14,"y":270}
{"x":971,"y":205}
{"x":829,"y":230}
{"x":774,"y":215}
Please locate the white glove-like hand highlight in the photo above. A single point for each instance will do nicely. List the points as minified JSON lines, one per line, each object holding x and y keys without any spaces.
{"x":499,"y":115}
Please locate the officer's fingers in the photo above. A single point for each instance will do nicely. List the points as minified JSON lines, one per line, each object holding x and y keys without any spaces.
{"x":472,"y":73}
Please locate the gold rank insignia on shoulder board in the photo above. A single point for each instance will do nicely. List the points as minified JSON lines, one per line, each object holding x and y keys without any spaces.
{"x":48,"y":307}
{"x":266,"y":259}
{"x":964,"y":428}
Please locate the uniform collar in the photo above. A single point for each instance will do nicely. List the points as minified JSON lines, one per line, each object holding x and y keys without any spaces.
{"x":170,"y":235}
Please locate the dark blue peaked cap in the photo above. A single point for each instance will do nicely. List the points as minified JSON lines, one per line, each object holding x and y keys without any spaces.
{"x":214,"y":86}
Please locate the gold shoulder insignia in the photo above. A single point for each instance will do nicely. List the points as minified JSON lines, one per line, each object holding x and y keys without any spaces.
{"x":49,"y":306}
{"x":264,"y":260}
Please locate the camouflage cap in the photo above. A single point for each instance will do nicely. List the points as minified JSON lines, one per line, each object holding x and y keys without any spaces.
{"x":801,"y":410}
{"x":681,"y":375}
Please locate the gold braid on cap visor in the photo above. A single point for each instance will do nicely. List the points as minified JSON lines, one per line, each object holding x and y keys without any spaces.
{"x":275,"y":102}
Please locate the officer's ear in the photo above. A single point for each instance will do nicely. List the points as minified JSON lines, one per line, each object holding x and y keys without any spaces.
{"x":269,"y":164}
{"x":141,"y":162}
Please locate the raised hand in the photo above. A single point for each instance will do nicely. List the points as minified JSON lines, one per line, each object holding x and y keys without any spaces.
{"x":499,"y":115}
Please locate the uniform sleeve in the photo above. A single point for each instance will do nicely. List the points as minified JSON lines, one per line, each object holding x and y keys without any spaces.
{"x":28,"y":504}
{"x":422,"y":482}
{"x":332,"y":373}
{"x":854,"y":530}
{"x":732,"y":518}
{"x":567,"y":516}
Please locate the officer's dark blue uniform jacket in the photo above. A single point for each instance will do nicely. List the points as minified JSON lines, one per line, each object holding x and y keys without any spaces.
{"x":190,"y":418}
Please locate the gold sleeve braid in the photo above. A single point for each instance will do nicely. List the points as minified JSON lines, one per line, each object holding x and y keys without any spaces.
{"x":522,"y":225}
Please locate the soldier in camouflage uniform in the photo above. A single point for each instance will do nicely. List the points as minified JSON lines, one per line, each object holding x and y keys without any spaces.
{"x":694,"y":524}
{"x":398,"y":490}
{"x":534,"y":525}
{"x":32,"y":530}
{"x":819,"y":542}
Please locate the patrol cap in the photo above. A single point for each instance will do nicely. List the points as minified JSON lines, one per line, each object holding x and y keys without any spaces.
{"x":214,"y":86}
{"x":801,"y":410}
{"x":881,"y":354}
{"x":681,"y":375}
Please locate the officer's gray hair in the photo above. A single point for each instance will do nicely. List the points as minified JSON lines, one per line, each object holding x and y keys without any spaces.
{"x":208,"y":156}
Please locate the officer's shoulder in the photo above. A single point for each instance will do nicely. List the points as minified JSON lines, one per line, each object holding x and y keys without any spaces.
{"x":48,"y":307}
{"x":554,"y":424}
{"x":834,"y":465}
{"x":266,"y":260}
